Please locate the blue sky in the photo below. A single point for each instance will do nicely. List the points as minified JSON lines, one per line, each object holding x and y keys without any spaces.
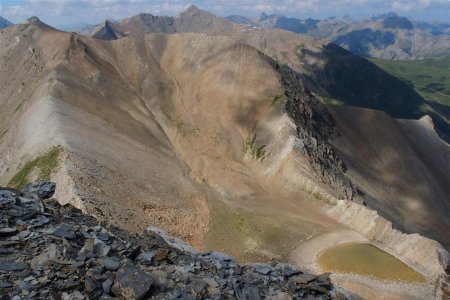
{"x":63,"y":13}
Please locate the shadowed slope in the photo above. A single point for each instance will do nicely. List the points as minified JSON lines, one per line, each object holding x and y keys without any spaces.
{"x":400,"y":167}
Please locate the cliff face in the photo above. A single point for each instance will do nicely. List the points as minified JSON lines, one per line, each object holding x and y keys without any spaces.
{"x":315,"y":129}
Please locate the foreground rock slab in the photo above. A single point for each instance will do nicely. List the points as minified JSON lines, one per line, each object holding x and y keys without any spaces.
{"x":49,"y":251}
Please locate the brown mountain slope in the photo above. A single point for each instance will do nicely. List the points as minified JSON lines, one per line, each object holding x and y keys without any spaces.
{"x":329,"y":71}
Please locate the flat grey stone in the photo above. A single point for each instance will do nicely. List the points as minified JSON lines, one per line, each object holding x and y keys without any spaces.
{"x":13,"y":266}
{"x":304,"y":278}
{"x":146,"y":257}
{"x":4,"y":284}
{"x":110,"y":264}
{"x":42,"y":259}
{"x":263,"y":269}
{"x":65,"y":232}
{"x":106,"y":285}
{"x":130,"y":282}
{"x":8,"y":231}
{"x":42,"y":189}
{"x":7,"y":197}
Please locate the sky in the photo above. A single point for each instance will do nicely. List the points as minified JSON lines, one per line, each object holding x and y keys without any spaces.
{"x":66,"y":13}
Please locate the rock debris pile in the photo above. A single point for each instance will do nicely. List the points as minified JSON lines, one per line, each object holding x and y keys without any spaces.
{"x":49,"y":251}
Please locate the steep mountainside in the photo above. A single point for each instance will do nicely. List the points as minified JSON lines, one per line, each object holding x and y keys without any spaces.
{"x":397,"y":165}
{"x":386,"y":36}
{"x":355,"y":82}
{"x":351,"y":80}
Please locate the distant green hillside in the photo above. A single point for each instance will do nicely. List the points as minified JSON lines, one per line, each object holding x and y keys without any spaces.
{"x":429,"y":77}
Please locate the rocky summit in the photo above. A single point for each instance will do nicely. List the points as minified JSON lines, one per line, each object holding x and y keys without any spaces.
{"x":49,"y":251}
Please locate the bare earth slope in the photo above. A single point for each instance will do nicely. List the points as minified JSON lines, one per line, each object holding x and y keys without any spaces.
{"x":400,"y":167}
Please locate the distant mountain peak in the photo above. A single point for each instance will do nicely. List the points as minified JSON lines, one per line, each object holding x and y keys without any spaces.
{"x":263,"y":17}
{"x":105,"y":32}
{"x":4,"y":23}
{"x":33,"y":19}
{"x":397,"y":22}
{"x":192,"y":9}
{"x":384,"y":16}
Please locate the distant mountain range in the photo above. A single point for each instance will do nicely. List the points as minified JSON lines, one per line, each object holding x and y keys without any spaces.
{"x":4,"y":23}
{"x":191,"y":20}
{"x":386,"y":36}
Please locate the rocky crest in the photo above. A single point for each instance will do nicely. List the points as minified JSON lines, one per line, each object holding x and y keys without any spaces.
{"x":49,"y":251}
{"x":315,"y":130}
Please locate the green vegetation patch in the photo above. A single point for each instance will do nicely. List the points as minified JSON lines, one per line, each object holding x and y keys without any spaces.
{"x":257,"y":152}
{"x":44,"y":166}
{"x":252,"y":237}
{"x":429,"y":77}
{"x":278,"y":100}
{"x":331,"y":101}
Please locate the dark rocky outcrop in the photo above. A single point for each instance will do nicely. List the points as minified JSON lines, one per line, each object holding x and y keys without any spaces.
{"x":316,"y":129}
{"x":57,"y":252}
{"x":41,"y":188}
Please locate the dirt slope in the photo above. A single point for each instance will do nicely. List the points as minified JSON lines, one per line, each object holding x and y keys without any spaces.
{"x":400,"y":167}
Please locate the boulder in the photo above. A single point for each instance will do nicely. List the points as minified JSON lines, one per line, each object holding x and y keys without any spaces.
{"x":42,"y":189}
{"x":130,"y":282}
